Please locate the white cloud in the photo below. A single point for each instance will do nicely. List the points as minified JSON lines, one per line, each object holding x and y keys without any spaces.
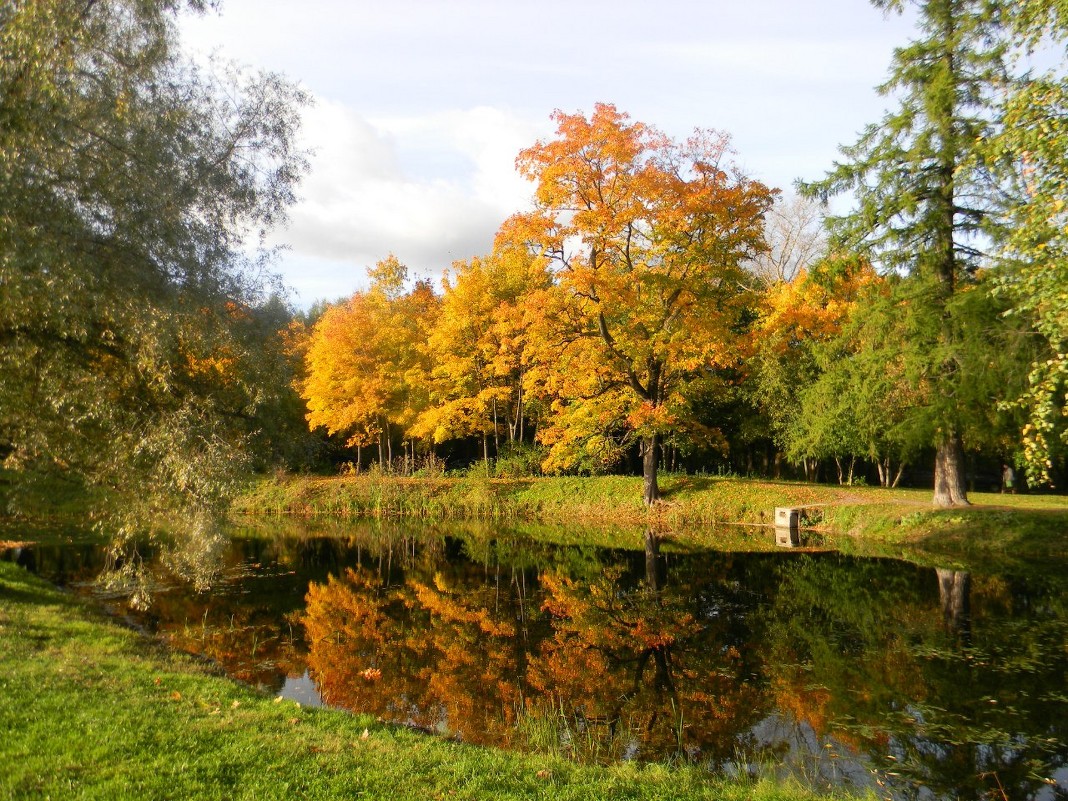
{"x":430,"y":189}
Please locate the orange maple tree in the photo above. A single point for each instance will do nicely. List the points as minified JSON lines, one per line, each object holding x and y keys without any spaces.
{"x":647,"y":238}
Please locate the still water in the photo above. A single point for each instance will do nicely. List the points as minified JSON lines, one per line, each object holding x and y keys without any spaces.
{"x":915,"y":682}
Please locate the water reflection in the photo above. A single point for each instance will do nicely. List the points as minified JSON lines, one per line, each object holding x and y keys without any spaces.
{"x":954,"y":591}
{"x":919,"y":683}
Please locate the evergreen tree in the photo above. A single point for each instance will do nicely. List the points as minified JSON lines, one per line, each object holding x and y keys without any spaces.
{"x":925,"y":201}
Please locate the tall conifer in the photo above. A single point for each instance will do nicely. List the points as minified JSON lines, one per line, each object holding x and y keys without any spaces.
{"x":924,"y":200}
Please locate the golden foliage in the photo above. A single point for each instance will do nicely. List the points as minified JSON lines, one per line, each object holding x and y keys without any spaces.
{"x":364,"y":361}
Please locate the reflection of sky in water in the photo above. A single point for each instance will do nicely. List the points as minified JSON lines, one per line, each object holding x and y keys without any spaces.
{"x":301,"y":689}
{"x":820,"y":760}
{"x":746,"y":610}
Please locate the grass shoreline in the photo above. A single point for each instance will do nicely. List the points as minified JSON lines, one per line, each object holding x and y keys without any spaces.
{"x":90,"y":709}
{"x":696,"y":510}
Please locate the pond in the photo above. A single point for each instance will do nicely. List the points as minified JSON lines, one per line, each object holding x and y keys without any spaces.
{"x":915,"y":682}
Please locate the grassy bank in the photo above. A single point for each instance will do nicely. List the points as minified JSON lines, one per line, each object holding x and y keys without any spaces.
{"x":696,"y":510}
{"x":604,"y":500}
{"x":92,"y":710}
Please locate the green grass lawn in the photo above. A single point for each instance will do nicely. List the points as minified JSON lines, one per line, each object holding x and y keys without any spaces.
{"x":89,"y":709}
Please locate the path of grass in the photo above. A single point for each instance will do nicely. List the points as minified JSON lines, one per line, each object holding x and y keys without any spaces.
{"x":89,"y":709}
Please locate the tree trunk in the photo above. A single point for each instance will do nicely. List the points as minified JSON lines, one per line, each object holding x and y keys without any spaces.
{"x":496,"y":431}
{"x":949,"y":488}
{"x":513,"y":419}
{"x":485,"y":452}
{"x":650,"y":461}
{"x":519,"y":407}
{"x":897,"y":476}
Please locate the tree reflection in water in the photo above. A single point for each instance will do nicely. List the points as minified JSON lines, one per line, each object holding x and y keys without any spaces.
{"x":604,"y":662}
{"x":956,"y":698}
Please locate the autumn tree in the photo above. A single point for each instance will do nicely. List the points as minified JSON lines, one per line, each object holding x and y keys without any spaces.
{"x":797,"y":318}
{"x":857,"y":400}
{"x":365,"y":368}
{"x":870,"y":398}
{"x":478,"y":349}
{"x":646,"y":237}
{"x":130,"y":181}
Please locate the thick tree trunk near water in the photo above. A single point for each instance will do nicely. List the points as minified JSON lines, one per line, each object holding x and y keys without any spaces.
{"x":650,"y":461}
{"x":950,"y":488}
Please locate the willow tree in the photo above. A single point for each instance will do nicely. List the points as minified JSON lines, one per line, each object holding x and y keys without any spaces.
{"x":925,"y":200}
{"x":647,"y":238}
{"x":129,"y":182}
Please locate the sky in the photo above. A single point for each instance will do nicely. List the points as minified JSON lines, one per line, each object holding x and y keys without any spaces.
{"x":421,"y":106}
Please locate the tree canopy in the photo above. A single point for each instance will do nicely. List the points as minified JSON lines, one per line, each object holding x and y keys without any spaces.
{"x":646,"y":237}
{"x":129,"y":182}
{"x":1032,"y":148}
{"x":366,"y":368}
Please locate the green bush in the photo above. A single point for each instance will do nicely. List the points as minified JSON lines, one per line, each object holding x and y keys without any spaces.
{"x":519,"y":460}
